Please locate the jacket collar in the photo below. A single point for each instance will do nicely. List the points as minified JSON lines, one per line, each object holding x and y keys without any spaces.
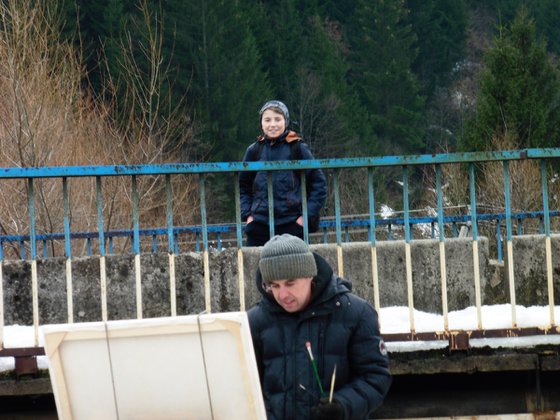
{"x":288,"y":136}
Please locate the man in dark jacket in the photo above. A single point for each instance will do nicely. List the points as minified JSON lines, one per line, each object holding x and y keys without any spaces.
{"x":311,"y":334}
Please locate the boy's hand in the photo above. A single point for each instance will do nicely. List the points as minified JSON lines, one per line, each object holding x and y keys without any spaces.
{"x":326,"y":410}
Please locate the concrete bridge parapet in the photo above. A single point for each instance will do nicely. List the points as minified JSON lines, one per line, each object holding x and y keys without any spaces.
{"x":529,"y":270}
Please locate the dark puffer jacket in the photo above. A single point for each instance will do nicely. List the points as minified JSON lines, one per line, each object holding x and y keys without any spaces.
{"x":286,"y":185}
{"x":343,"y":331}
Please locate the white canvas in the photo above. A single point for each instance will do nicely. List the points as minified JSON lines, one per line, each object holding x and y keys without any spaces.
{"x":161,"y":368}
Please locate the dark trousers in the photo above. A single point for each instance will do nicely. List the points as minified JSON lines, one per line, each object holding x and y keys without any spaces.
{"x":258,"y":233}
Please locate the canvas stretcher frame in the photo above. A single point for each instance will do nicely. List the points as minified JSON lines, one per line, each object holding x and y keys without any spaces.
{"x":188,"y":367}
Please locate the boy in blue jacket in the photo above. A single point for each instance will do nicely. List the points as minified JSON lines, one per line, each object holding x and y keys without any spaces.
{"x":279,"y":143}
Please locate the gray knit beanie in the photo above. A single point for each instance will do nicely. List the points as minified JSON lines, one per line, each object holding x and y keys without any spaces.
{"x":277,"y":106}
{"x":286,"y":257}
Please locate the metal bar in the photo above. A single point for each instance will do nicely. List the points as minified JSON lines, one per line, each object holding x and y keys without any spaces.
{"x":548,"y":246}
{"x":304,"y":207}
{"x":499,"y":240}
{"x":102,"y":263}
{"x":205,"y":257}
{"x":239,"y":235}
{"x":229,"y":227}
{"x":22,"y":351}
{"x":336,"y":186}
{"x":509,"y":245}
{"x":408,"y":258}
{"x":476,"y":262}
{"x":472,"y":334}
{"x":135,"y":216}
{"x":372,"y":238}
{"x":68,"y":251}
{"x":33,"y":247}
{"x":270,"y":204}
{"x":442,"y":261}
{"x":215,"y":167}
{"x":170,"y":245}
{"x":136,"y":246}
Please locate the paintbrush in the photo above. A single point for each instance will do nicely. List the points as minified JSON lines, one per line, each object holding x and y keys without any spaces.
{"x":314,"y":365}
{"x":333,"y":378}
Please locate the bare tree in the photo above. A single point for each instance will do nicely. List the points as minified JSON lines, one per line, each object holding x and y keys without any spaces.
{"x":48,"y":119}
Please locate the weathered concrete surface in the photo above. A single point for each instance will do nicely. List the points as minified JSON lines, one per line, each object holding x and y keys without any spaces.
{"x":529,"y":271}
{"x":392,"y":271}
{"x":426,"y":383}
{"x":529,"y":263}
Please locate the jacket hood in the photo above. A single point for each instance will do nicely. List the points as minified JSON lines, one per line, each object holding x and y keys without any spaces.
{"x":325,"y":284}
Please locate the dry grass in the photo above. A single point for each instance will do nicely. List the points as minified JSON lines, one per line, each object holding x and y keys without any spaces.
{"x":48,"y":119}
{"x":525,"y":187}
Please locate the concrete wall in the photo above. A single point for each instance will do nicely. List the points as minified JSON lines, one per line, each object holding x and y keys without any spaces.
{"x":529,"y":259}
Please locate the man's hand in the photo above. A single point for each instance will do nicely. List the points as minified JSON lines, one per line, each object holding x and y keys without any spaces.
{"x":326,"y":410}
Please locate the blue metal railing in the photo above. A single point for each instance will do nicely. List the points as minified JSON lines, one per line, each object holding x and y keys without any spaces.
{"x":103,"y":238}
{"x":223,"y":234}
{"x":338,"y":223}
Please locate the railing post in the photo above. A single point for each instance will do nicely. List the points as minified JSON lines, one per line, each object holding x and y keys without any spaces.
{"x":33,"y":246}
{"x":205,"y":256}
{"x":372,"y":238}
{"x":239,"y":235}
{"x":68,"y":251}
{"x":548,"y":246}
{"x":476,"y":263}
{"x":442,"y":260}
{"x":336,"y":186}
{"x":170,"y":245}
{"x":408,"y":257}
{"x":102,"y":262}
{"x":270,"y":203}
{"x":509,"y":246}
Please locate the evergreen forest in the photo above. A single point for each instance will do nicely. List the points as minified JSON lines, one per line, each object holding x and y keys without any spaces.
{"x":104,"y":82}
{"x":360,"y":77}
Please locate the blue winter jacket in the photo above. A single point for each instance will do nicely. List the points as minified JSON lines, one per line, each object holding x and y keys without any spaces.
{"x":343,"y":331}
{"x":286,"y":185}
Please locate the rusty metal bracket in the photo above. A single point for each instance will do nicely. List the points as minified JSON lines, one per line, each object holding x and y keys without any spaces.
{"x":25,"y":359}
{"x":26,"y":365}
{"x":459,"y":341}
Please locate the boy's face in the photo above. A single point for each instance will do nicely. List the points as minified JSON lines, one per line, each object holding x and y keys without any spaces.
{"x":293,"y":295}
{"x":273,"y":123}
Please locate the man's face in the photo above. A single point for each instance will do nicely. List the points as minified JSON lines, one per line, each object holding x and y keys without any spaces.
{"x":273,"y":123}
{"x":293,"y":295}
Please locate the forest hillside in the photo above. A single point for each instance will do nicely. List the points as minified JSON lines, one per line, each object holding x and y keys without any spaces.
{"x":134,"y":82}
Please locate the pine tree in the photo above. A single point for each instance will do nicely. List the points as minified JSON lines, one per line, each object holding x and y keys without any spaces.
{"x":440,"y":27}
{"x":382,"y":57}
{"x":221,"y":69}
{"x":546,"y":17}
{"x":327,"y":109}
{"x":101,"y":25}
{"x":519,"y":91}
